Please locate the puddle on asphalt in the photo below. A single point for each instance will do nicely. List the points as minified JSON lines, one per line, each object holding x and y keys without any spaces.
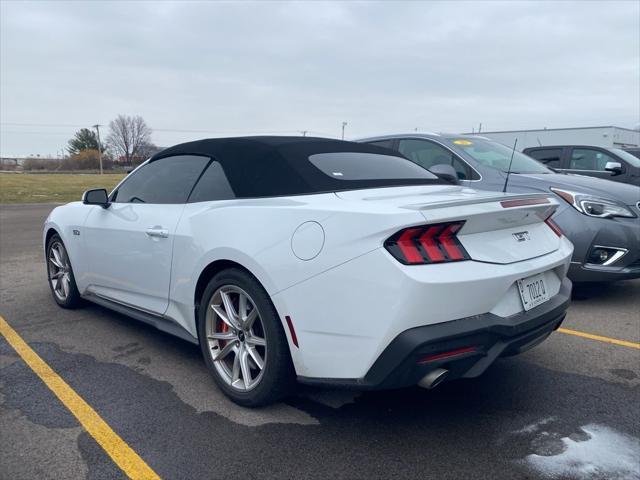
{"x":592,"y":452}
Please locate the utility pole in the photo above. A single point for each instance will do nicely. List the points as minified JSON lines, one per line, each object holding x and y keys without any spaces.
{"x":344,"y":124}
{"x":97,"y":127}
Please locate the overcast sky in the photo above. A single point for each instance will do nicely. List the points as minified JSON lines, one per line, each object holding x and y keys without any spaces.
{"x":220,"y":69}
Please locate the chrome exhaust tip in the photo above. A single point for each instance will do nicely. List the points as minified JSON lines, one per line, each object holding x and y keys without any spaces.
{"x":434,"y":378}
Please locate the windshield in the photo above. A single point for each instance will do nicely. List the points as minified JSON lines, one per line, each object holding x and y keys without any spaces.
{"x":627,"y":157}
{"x":497,"y":156}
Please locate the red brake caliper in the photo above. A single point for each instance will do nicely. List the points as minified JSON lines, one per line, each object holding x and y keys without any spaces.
{"x":224,"y":329}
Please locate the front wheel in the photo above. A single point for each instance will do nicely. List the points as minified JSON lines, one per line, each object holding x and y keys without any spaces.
{"x":60,"y":274}
{"x":242,"y":340}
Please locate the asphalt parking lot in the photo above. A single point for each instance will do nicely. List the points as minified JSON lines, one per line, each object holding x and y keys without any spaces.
{"x":569,"y":408}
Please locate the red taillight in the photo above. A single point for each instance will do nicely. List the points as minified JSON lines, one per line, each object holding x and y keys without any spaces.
{"x":405,"y":243}
{"x":430,"y":243}
{"x":450,"y":242}
{"x":553,"y":226}
{"x":436,"y":243}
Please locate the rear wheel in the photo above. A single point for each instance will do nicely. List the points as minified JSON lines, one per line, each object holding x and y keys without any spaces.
{"x":242,"y":340}
{"x":60,"y":274}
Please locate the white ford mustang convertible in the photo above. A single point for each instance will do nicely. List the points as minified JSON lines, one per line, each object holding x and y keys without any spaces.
{"x":321,"y":261}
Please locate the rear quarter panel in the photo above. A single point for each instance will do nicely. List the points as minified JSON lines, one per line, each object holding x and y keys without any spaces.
{"x":257,"y":234}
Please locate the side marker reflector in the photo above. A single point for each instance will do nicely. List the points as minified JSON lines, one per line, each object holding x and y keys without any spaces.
{"x":451,"y":353}
{"x":292,"y":331}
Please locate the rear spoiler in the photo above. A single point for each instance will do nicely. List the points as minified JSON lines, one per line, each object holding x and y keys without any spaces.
{"x":491,"y":213}
{"x":506,"y":200}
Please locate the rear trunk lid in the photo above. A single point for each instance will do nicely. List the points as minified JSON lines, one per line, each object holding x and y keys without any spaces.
{"x":498,"y":228}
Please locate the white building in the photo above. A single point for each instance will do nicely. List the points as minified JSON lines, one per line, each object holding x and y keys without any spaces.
{"x":598,"y":136}
{"x":11,"y":161}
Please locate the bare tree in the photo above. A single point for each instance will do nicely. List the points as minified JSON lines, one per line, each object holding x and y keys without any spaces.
{"x":147,"y":150}
{"x":128,"y":136}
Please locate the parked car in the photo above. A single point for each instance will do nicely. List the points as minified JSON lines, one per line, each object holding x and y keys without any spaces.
{"x":332,"y":262}
{"x":600,"y":217}
{"x":608,"y":163}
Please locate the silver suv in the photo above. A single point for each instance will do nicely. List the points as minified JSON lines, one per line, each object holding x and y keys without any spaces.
{"x":599,"y":216}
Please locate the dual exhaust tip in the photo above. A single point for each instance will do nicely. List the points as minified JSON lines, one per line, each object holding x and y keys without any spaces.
{"x":433,"y":378}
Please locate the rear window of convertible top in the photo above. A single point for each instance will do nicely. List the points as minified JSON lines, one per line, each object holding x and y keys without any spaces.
{"x":368,"y":166}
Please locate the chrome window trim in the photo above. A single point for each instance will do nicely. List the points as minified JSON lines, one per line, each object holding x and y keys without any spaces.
{"x":583,"y":170}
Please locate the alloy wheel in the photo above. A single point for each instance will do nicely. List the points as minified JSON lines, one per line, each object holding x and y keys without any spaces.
{"x":59,"y":271}
{"x":236,"y":338}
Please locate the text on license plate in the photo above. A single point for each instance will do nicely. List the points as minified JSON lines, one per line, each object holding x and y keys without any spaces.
{"x":533,"y":291}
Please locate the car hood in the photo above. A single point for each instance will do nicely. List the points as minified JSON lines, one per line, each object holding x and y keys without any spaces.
{"x":623,"y":192}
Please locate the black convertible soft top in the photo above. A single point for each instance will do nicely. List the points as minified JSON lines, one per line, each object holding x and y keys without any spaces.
{"x":268,"y":166}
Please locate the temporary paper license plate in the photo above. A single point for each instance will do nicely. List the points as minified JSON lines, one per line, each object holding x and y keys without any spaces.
{"x":533,"y":291}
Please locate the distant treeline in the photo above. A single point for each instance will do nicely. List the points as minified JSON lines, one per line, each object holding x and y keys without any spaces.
{"x":84,"y":160}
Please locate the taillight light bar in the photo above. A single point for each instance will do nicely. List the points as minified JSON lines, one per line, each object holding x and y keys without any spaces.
{"x":522,"y":202}
{"x":553,"y":226}
{"x":436,"y":243}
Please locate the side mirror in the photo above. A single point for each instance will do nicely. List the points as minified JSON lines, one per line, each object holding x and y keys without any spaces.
{"x":446,"y":173}
{"x":613,"y":167}
{"x":97,"y":196}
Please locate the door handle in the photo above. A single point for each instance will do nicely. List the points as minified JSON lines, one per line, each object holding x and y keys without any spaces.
{"x":158,"y":232}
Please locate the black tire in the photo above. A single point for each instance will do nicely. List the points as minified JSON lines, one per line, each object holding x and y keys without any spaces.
{"x":278,"y":377}
{"x":73,"y":299}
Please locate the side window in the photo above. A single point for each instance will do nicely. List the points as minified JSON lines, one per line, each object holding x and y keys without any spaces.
{"x":427,"y":154}
{"x":168,"y":180}
{"x":549,"y":156}
{"x":382,"y":143}
{"x":589,"y":159}
{"x":213,"y":185}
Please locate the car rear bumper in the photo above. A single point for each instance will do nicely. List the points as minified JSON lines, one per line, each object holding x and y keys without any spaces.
{"x":418,"y":351}
{"x":347,"y":316}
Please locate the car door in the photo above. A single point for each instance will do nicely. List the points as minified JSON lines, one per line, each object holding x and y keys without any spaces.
{"x":591,"y":161}
{"x":130,"y":244}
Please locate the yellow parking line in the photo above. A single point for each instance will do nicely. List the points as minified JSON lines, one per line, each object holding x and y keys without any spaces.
{"x":615,"y":341}
{"x":121,"y":453}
